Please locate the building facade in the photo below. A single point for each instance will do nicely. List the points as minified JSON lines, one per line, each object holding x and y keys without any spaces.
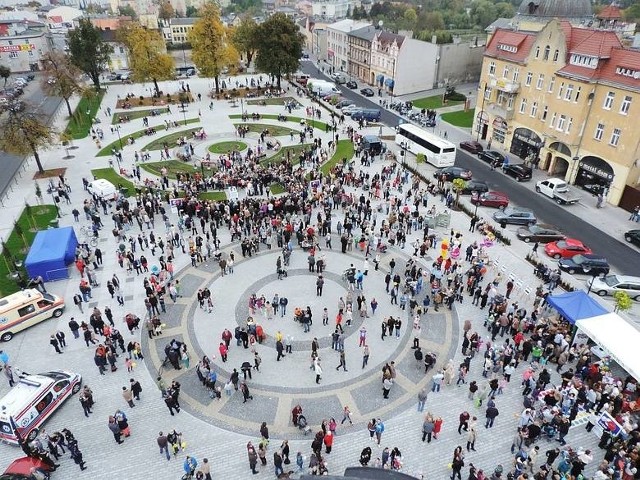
{"x":359,"y":53}
{"x":564,"y":96}
{"x":330,"y":9}
{"x":176,"y":30}
{"x":23,"y":44}
{"x":338,"y":43}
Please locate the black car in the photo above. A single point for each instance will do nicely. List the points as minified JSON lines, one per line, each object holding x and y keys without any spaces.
{"x":451,"y":173}
{"x":474,"y":186}
{"x":594,"y":188}
{"x":519,"y":171}
{"x":367,"y":92}
{"x":352,"y":85}
{"x":633,"y":236}
{"x":471,"y":146}
{"x":539,"y":233}
{"x":491,"y":157}
{"x":588,"y":264}
{"x":343,"y":103}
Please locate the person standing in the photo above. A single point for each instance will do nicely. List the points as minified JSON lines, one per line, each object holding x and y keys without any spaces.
{"x":317,"y":369}
{"x":422,"y":399}
{"x":128,"y":396}
{"x":346,"y":415}
{"x":319,"y":285}
{"x":427,"y":428}
{"x":136,"y":388}
{"x":534,"y":249}
{"x":280,"y":350}
{"x":171,"y":404}
{"x":463,"y":422}
{"x":245,"y":392}
{"x":253,"y":457}
{"x":472,"y":435}
{"x":491,"y":414}
{"x":365,"y":356}
{"x":205,"y":468}
{"x":189,"y":465}
{"x":86,"y":404}
{"x":74,"y":327}
{"x":343,"y":362}
{"x":54,"y":343}
{"x":387,"y":383}
{"x":163,"y":443}
{"x":379,"y":430}
{"x":115,"y":429}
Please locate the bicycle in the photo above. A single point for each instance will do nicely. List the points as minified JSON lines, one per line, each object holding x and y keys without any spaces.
{"x":92,"y":241}
{"x":86,"y":230}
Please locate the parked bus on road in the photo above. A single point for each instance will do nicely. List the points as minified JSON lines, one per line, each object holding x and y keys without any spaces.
{"x":437,"y":151}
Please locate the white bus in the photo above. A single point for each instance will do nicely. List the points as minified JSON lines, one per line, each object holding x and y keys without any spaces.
{"x":438,"y":152}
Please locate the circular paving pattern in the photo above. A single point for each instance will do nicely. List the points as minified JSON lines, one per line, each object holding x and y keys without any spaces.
{"x":225,"y":147}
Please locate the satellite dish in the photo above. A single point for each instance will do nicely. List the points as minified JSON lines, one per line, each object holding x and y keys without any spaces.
{"x":380,"y":23}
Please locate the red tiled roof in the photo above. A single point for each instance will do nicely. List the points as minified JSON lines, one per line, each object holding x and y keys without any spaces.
{"x":609,"y":12}
{"x":522,"y":41}
{"x":594,"y":43}
{"x":625,"y":58}
{"x":388,"y":37}
{"x":577,"y":71}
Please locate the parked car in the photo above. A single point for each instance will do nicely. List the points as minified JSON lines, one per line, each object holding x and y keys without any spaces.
{"x":566,"y":248}
{"x":539,"y":233}
{"x":519,"y":171}
{"x":352,"y":85}
{"x":491,"y":157}
{"x":558,"y":190}
{"x":616,"y":283}
{"x":593,"y":188}
{"x":20,"y":469}
{"x":490,"y":199}
{"x":515,"y":216}
{"x":343,"y":103}
{"x":305,"y":55}
{"x":474,"y":186}
{"x":349,"y":109}
{"x":367,"y":92}
{"x":633,"y":236}
{"x":471,"y":146}
{"x":589,"y":263}
{"x":451,"y":173}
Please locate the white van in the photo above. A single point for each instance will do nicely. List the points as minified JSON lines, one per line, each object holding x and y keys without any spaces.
{"x":25,"y":308}
{"x":321,"y":88}
{"x":103,"y":189}
{"x":32,"y":400}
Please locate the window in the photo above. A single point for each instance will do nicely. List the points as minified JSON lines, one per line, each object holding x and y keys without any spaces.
{"x":569,"y":124}
{"x":523,"y":105}
{"x":569,"y":93}
{"x":510,"y":101}
{"x":44,"y":403}
{"x":516,"y":74}
{"x":545,"y":112}
{"x":505,"y":71}
{"x":546,"y":53}
{"x":537,"y":52}
{"x":26,"y":310}
{"x":534,"y":109}
{"x":561,"y":122}
{"x":608,"y":101}
{"x":540,"y":81}
{"x":13,"y":54}
{"x":527,"y":82}
{"x":615,"y":137}
{"x":492,"y":68}
{"x":561,"y":89}
{"x":578,"y":90}
{"x":552,"y":84}
{"x":599,"y":132}
{"x":553,"y":120}
{"x":555,"y":55}
{"x":626,"y":105}
{"x":487,"y":93}
{"x":501,"y":97}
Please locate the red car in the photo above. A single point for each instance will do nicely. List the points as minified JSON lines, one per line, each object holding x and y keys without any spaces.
{"x":471,"y":146}
{"x":490,"y":199}
{"x":567,"y":248}
{"x":21,"y":469}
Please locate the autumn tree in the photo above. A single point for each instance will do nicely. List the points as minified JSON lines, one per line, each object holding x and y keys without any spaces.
{"x":148,"y":57}
{"x":279,"y":46}
{"x":244,"y":37}
{"x":211,"y":46}
{"x":5,"y":73}
{"x":166,"y":11}
{"x":63,"y":77}
{"x":88,"y":51}
{"x":22,"y":132}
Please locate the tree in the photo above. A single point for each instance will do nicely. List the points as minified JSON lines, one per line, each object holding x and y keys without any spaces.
{"x":191,"y":11}
{"x":22,"y":132}
{"x":433,"y":21}
{"x":63,"y":78}
{"x":483,"y":13}
{"x":5,"y":73}
{"x":88,"y":51}
{"x":127,"y":11}
{"x":623,"y":301}
{"x":148,"y":57}
{"x":410,"y":18}
{"x":244,"y":37}
{"x":458,"y":185}
{"x":632,"y":13}
{"x":211,"y":47}
{"x":166,"y":11}
{"x":279,"y":46}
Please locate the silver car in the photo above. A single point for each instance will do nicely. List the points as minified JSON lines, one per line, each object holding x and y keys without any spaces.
{"x":616,"y":283}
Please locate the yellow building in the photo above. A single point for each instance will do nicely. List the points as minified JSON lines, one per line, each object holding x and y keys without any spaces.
{"x":565,"y":97}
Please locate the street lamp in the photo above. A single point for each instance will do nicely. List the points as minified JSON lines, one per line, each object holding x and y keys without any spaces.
{"x":183,"y":109}
{"x":478,"y":124}
{"x":593,"y":277}
{"x":56,"y":200}
{"x":403,"y":153}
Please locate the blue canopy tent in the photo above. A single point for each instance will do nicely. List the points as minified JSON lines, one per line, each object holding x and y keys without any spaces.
{"x":576,"y":305}
{"x":52,"y":250}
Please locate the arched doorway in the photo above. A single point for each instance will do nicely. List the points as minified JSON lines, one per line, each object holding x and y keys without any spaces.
{"x":525,"y":143}
{"x":482,"y":125}
{"x":373,"y":79}
{"x":499,"y":131}
{"x":560,"y":163}
{"x":594,"y":174}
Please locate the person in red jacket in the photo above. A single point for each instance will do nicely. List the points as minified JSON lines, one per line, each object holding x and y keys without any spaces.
{"x":223,"y":351}
{"x":328,"y":441}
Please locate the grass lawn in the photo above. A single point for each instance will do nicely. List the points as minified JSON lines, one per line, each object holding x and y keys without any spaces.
{"x":460,"y":119}
{"x":274,"y":130}
{"x":106,"y":151}
{"x":272,"y":101}
{"x":224,"y":147}
{"x":135,"y":114}
{"x":214,"y":196}
{"x":154,"y":102}
{"x":80,"y":124}
{"x":345,"y":150}
{"x":158,"y":143}
{"x":111,"y":175}
{"x":433,"y":102}
{"x":39,"y":218}
{"x":276,"y":188}
{"x":173,"y":168}
{"x":316,"y":123}
{"x":293,"y":151}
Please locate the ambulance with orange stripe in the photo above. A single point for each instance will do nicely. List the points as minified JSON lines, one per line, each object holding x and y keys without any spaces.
{"x":26,"y":308}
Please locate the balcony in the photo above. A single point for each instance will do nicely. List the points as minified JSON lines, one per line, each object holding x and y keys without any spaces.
{"x":504,"y":85}
{"x":498,"y":110}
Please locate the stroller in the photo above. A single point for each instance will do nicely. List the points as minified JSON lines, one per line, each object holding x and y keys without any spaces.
{"x":303,"y":425}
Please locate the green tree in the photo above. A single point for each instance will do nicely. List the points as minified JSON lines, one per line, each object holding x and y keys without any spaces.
{"x":279,"y":46}
{"x":504,"y":10}
{"x":623,"y":301}
{"x":632,"y":13}
{"x":87,"y":51}
{"x":63,"y":77}
{"x":22,"y":132}
{"x":410,"y":17}
{"x":245,"y":39}
{"x":458,"y":185}
{"x":127,"y":11}
{"x":483,"y":13}
{"x":434,"y":21}
{"x":191,"y":11}
{"x":211,"y":48}
{"x":5,"y":73}
{"x":148,"y":57}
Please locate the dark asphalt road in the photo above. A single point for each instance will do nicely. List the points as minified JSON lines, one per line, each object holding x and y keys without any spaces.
{"x":622,"y":257}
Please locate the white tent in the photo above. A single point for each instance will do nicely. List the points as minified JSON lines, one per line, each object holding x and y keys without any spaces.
{"x":617,"y":337}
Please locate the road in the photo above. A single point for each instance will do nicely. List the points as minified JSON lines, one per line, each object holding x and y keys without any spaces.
{"x":46,"y":107}
{"x":622,"y":257}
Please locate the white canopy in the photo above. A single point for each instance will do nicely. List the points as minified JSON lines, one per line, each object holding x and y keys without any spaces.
{"x":617,"y":337}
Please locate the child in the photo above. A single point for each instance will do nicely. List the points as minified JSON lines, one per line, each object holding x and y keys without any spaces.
{"x":437,"y":426}
{"x":502,"y":385}
{"x":129,"y":364}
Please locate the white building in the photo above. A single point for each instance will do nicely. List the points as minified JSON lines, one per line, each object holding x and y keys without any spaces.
{"x":338,"y":43}
{"x":22,"y":44}
{"x":330,"y":9}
